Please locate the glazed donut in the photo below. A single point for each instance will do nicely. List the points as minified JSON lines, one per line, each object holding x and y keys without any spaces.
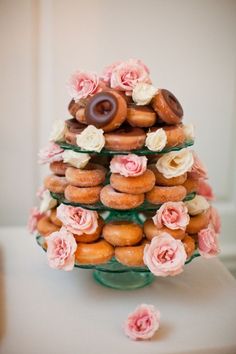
{"x":162,"y":181}
{"x":45,"y":227}
{"x":122,"y":233}
{"x":90,"y":176}
{"x":189,"y":245}
{"x":80,"y":116}
{"x":139,"y":116}
{"x":88,"y":238}
{"x":53,"y":217}
{"x":58,"y":167}
{"x":73,"y":128}
{"x":73,"y":107}
{"x":106,"y":110}
{"x":82,"y":195}
{"x":168,"y":108}
{"x":55,"y":184}
{"x":133,"y":185}
{"x":163,"y":194}
{"x":125,"y":139}
{"x":131,"y":256}
{"x":120,"y":201}
{"x":150,"y":231}
{"x":94,"y":253}
{"x":198,"y":222}
{"x":174,"y":134}
{"x":191,"y":185}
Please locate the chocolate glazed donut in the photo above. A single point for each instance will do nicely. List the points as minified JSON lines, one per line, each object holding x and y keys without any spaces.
{"x":106,"y":110}
{"x":167,"y":107}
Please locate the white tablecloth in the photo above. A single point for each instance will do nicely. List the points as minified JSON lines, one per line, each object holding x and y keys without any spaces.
{"x":44,"y":311}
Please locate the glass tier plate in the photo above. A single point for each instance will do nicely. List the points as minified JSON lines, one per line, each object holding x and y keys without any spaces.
{"x":143,"y":151}
{"x":113,"y":266}
{"x":146,"y":206}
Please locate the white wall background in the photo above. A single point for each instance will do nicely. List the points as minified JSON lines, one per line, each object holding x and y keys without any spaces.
{"x":189,"y":45}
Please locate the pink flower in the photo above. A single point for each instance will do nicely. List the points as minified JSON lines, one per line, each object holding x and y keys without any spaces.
{"x":78,"y":220}
{"x":129,"y":165}
{"x":165,"y":255}
{"x":50,"y":153}
{"x":61,"y":247}
{"x":107,"y":72}
{"x":83,"y":84}
{"x":33,"y":219}
{"x":142,"y":323}
{"x":127,"y":75}
{"x":215,"y":220}
{"x":208,"y":243}
{"x":198,"y":169}
{"x":205,"y":190}
{"x":173,"y":215}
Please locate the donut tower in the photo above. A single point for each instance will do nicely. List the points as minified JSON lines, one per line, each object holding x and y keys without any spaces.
{"x":125,"y":191}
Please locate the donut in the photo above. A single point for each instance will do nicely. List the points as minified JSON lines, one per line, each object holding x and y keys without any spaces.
{"x":139,"y":116}
{"x":133,"y":185}
{"x":94,"y":253}
{"x":82,"y":195}
{"x":55,"y":184}
{"x":45,"y":227}
{"x":106,"y":110}
{"x":198,"y":222}
{"x":174,"y":134}
{"x":88,"y":238}
{"x":125,"y":139}
{"x":168,"y":108}
{"x":131,"y":256}
{"x":73,"y":107}
{"x":53,"y":217}
{"x":150,"y":230}
{"x":120,"y":201}
{"x":73,"y":128}
{"x":162,"y":181}
{"x":191,"y":185}
{"x":189,"y":245}
{"x":161,"y":194}
{"x":58,"y":167}
{"x":122,"y":233}
{"x":90,"y":176}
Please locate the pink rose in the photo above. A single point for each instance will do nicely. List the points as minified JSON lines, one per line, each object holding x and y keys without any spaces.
{"x":33,"y":219}
{"x":78,"y":220}
{"x":50,"y":153}
{"x":198,"y":169}
{"x":107,"y":72}
{"x":173,"y":215}
{"x":129,"y":165}
{"x":208,"y":243}
{"x":61,"y":247}
{"x":215,"y":220}
{"x":83,"y":84}
{"x":142,"y":323}
{"x":165,"y":255}
{"x":128,"y":74}
{"x":205,"y":190}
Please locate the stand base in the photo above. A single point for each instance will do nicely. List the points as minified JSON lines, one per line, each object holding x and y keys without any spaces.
{"x":123,"y":281}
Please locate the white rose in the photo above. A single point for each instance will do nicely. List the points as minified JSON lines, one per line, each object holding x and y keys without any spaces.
{"x":175,"y":163}
{"x":143,"y":93}
{"x":91,"y":139}
{"x":58,"y":130}
{"x":47,"y":202}
{"x":197,"y":205}
{"x":76,"y":159}
{"x":156,"y":141}
{"x":189,"y":131}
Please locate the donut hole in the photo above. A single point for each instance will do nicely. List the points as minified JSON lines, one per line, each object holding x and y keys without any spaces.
{"x":103,"y":107}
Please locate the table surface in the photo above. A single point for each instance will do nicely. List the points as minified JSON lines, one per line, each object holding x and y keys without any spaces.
{"x":49,"y":311}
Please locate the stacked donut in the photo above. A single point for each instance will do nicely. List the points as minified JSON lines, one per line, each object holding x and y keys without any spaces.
{"x":124,"y":149}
